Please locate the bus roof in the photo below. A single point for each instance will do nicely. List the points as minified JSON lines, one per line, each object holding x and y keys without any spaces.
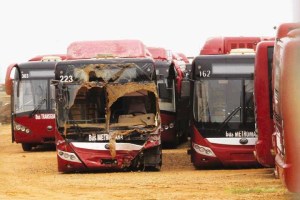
{"x":49,"y":57}
{"x":158,"y":53}
{"x":224,"y":57}
{"x":37,"y":65}
{"x":223,"y":45}
{"x":107,"y":48}
{"x":183,"y":57}
{"x":285,"y":28}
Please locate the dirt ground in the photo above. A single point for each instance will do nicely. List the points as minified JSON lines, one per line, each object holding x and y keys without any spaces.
{"x":34,"y":175}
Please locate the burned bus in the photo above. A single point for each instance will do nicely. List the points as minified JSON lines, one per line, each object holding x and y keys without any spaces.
{"x":107,"y":108}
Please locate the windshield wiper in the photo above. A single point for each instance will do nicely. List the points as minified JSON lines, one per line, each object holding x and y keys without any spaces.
{"x":37,"y":108}
{"x":229,"y":117}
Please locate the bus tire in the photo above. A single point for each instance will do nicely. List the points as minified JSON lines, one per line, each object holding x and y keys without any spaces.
{"x":153,"y":159}
{"x":26,"y":147}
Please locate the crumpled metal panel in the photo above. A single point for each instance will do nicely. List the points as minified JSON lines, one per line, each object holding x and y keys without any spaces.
{"x":100,"y":71}
{"x":116,"y":91}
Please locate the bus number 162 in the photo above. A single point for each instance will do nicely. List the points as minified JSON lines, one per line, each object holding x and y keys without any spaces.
{"x":205,"y":73}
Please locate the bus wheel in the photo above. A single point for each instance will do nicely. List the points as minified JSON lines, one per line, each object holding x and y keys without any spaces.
{"x":153,"y":159}
{"x":26,"y":147}
{"x":152,"y":168}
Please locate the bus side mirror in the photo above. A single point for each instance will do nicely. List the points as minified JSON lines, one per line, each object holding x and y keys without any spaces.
{"x":163,"y":92}
{"x":185,"y":88}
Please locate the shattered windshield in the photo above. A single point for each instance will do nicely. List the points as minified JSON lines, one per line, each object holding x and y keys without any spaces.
{"x":106,"y":97}
{"x":121,"y":107}
{"x":123,"y":72}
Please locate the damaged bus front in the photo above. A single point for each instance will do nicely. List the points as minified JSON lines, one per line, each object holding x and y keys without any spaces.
{"x":107,"y":115}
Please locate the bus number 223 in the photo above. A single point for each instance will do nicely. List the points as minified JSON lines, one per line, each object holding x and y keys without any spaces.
{"x":66,"y":78}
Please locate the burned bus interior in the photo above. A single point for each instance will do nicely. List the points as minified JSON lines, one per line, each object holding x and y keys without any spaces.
{"x":106,"y":97}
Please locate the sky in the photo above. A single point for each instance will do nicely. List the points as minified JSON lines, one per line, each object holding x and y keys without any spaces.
{"x":38,"y":27}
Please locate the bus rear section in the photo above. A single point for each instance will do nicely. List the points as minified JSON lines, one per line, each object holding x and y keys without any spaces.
{"x":287,"y":110}
{"x":33,"y":103}
{"x":107,"y":114}
{"x":223,"y":125}
{"x":264,"y":151}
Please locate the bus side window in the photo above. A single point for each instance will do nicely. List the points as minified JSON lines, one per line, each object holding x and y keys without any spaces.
{"x":163,"y":92}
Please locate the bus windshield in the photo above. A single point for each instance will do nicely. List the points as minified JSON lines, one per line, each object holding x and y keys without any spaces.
{"x":106,"y":97}
{"x":223,"y":101}
{"x":106,"y":72}
{"x":30,"y":94}
{"x":85,"y":109}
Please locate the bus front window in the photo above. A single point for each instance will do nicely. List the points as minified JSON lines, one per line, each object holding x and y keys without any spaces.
{"x":30,"y":94}
{"x":226,"y":102}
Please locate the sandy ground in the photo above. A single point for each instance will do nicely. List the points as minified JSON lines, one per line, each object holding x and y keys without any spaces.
{"x":34,"y":175}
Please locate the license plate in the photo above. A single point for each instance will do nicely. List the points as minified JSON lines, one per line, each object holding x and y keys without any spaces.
{"x":102,"y":137}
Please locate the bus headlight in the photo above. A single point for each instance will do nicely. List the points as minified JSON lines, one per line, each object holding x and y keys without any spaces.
{"x":72,"y":157}
{"x":19,"y":127}
{"x":171,"y":125}
{"x":206,"y":151}
{"x":68,"y":156}
{"x":167,"y":126}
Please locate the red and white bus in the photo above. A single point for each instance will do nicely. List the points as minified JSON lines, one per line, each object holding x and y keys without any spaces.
{"x":286,"y":73}
{"x":32,"y":102}
{"x":264,"y":151}
{"x":173,"y":90}
{"x":107,"y":107}
{"x":222,"y":122}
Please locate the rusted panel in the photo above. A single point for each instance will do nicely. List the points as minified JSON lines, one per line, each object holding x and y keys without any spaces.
{"x":116,"y":91}
{"x":84,"y":74}
{"x":108,"y":79}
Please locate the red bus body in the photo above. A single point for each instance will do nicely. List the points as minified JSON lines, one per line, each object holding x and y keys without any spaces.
{"x":223,"y":143}
{"x":33,"y":118}
{"x":52,"y":57}
{"x":263,"y":103}
{"x":100,"y":132}
{"x":286,"y":73}
{"x":107,"y":48}
{"x":223,"y":45}
{"x":183,"y":57}
{"x":173,"y":103}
